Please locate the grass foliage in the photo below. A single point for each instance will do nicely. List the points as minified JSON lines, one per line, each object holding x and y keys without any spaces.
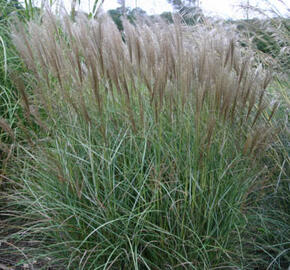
{"x":151,"y":148}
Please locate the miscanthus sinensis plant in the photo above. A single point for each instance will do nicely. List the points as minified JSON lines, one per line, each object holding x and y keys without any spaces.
{"x":148,"y":144}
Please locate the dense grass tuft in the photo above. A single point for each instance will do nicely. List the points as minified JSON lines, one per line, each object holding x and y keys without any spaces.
{"x":145,"y":149}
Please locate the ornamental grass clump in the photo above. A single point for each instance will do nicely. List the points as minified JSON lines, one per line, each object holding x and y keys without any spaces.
{"x":148,"y":146}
